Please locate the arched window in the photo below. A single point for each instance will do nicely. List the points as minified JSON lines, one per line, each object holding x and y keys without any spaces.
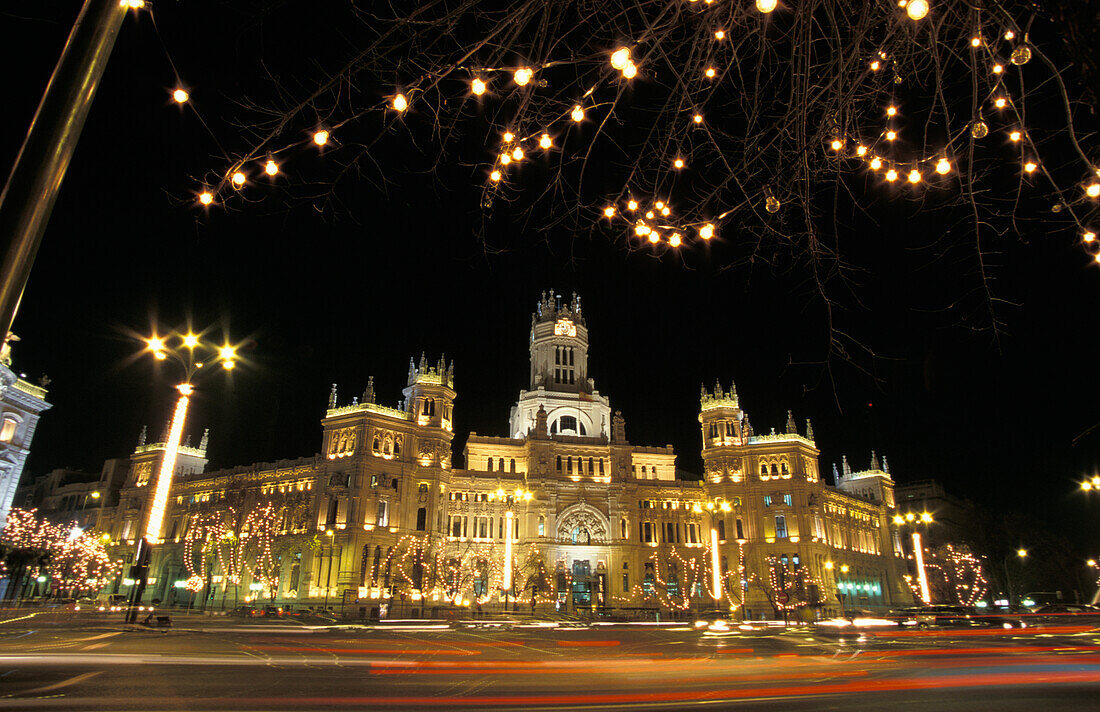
{"x":512,"y":465}
{"x":377,"y":445}
{"x":559,"y":463}
{"x":601,"y":465}
{"x":643,"y":472}
{"x":396,"y":447}
{"x":624,"y":530}
{"x":542,"y":525}
{"x":421,"y":519}
{"x":7,"y":431}
{"x":763,"y":469}
{"x":775,"y":470}
{"x":569,"y":465}
{"x":489,"y":464}
{"x":501,"y":463}
{"x":783,"y":467}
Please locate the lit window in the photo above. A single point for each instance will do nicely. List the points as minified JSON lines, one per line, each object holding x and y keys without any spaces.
{"x":7,"y":432}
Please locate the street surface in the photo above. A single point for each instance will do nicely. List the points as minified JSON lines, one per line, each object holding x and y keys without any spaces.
{"x":228,"y":663}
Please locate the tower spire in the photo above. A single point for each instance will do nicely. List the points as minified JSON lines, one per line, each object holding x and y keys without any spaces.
{"x":792,"y":429}
{"x":332,"y":397}
{"x":143,"y":435}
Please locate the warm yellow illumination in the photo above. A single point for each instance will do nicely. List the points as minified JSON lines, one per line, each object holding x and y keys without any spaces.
{"x":910,"y":517}
{"x":922,"y":577}
{"x":227,"y":353}
{"x":132,"y":4}
{"x":522,"y":76}
{"x":898,"y":519}
{"x":508,"y":137}
{"x":975,"y":41}
{"x":477,"y":86}
{"x":1000,"y":102}
{"x":321,"y":137}
{"x":1091,"y":563}
{"x":720,"y":35}
{"x":1030,"y":167}
{"x":997,"y":68}
{"x":710,"y":73}
{"x":1021,"y":55}
{"x":654,"y":236}
{"x":508,"y":551}
{"x":577,"y":114}
{"x":926,"y":517}
{"x":190,"y":340}
{"x":979,"y":129}
{"x":716,"y":569}
{"x":632,"y":205}
{"x":237,"y":178}
{"x":1009,"y":34}
{"x":766,"y":6}
{"x":891,"y":111}
{"x":666,"y":211}
{"x":891,"y":175}
{"x":844,"y":568}
{"x":1092,"y":190}
{"x":891,"y":135}
{"x":400,"y":103}
{"x":1022,"y":553}
{"x":505,"y":158}
{"x":876,"y":163}
{"x":698,"y":118}
{"x":271,"y":167}
{"x":517,"y":154}
{"x":678,"y":163}
{"x":545,"y":141}
{"x":630,"y":71}
{"x":609,"y":211}
{"x":1015,"y":136}
{"x":675,"y":239}
{"x":861,"y":150}
{"x":707,"y":231}
{"x":206,"y":197}
{"x":828,"y":566}
{"x":155,"y":343}
{"x":659,"y":204}
{"x":914,"y":176}
{"x":180,"y":96}
{"x":494,"y":176}
{"x":167,"y":465}
{"x":917,"y":10}
{"x":620,"y":58}
{"x":1089,"y":236}
{"x":837,"y":144}
{"x":943,"y":166}
{"x":875,"y":65}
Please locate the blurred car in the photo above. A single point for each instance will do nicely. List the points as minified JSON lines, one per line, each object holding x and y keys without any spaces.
{"x":946,"y":616}
{"x":1065,"y":614}
{"x":272,"y":611}
{"x":715,"y":619}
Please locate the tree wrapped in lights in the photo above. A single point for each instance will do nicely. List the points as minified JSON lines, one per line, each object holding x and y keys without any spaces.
{"x":955,"y":576}
{"x":753,"y":132}
{"x":789,"y":587}
{"x":75,"y":560}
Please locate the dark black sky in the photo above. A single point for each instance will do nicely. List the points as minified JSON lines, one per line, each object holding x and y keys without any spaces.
{"x":329,"y":295}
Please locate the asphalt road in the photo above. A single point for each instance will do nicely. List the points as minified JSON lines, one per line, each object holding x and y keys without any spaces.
{"x":227,"y":665}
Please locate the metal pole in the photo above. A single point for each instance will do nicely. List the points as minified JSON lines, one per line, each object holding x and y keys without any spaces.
{"x":32,"y":187}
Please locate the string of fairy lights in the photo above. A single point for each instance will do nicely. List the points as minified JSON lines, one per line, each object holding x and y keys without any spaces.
{"x":666,"y":213}
{"x":74,"y":560}
{"x":956,"y":576}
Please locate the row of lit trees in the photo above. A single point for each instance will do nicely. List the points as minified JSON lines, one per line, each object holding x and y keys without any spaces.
{"x":33,"y":549}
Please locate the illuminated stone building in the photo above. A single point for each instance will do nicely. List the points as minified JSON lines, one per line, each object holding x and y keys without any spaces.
{"x":21,"y":404}
{"x":380,"y":519}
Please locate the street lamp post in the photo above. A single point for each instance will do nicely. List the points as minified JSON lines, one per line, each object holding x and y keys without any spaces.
{"x":185,"y":354}
{"x":1021,"y":554}
{"x":328,"y":574}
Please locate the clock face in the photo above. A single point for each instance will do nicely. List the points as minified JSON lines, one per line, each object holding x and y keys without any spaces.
{"x":565,"y":327}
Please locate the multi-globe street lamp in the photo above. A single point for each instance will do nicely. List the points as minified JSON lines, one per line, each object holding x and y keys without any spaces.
{"x":193,"y":354}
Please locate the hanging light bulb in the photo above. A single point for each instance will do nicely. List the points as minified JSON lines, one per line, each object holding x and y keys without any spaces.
{"x":979,"y":129}
{"x":976,"y":41}
{"x":891,"y":111}
{"x":632,"y":205}
{"x":495,"y":176}
{"x":180,"y":96}
{"x":891,"y":135}
{"x":517,"y":155}
{"x":1088,"y":236}
{"x":914,"y":176}
{"x":545,"y":141}
{"x":678,"y":163}
{"x":641,"y":229}
{"x":771,"y":204}
{"x":237,"y":178}
{"x":861,"y":150}
{"x":522,"y":76}
{"x":320,"y":137}
{"x":1031,"y":167}
{"x":698,"y":118}
{"x":709,"y":73}
{"x":206,"y":197}
{"x":508,"y":137}
{"x":609,"y":211}
{"x":478,"y":87}
{"x":577,"y":114}
{"x":876,"y":163}
{"x":766,"y":6}
{"x":654,"y":236}
{"x":271,"y":167}
{"x":891,"y":175}
{"x":505,"y":158}
{"x":997,"y":68}
{"x":1021,"y":55}
{"x":630,"y":71}
{"x":875,"y":65}
{"x":400,"y":103}
{"x":649,"y":215}
{"x":720,"y":35}
{"x":1000,"y":102}
{"x":707,"y":231}
{"x":1093,"y":190}
{"x":837,"y":144}
{"x":943,"y":166}
{"x":1009,"y":34}
{"x":917,"y":9}
{"x":666,"y":211}
{"x":674,"y":239}
{"x":620,"y":58}
{"x":1014,"y":136}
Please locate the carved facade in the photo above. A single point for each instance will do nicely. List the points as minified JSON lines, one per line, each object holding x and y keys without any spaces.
{"x":380,"y":519}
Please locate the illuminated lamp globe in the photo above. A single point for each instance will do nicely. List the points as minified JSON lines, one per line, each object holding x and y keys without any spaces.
{"x":710,"y":73}
{"x":545,"y":141}
{"x":720,"y":35}
{"x":1000,"y":102}
{"x":495,"y":176}
{"x":914,"y":176}
{"x":666,"y":211}
{"x":698,"y":118}
{"x":891,"y":175}
{"x":632,"y":205}
{"x":917,"y":9}
{"x":678,"y":163}
{"x":577,"y":114}
{"x":1031,"y":167}
{"x":609,"y":212}
{"x":771,"y":204}
{"x":1021,"y":55}
{"x":876,"y":163}
{"x":943,"y":166}
{"x":997,"y":68}
{"x":320,"y":138}
{"x":861,"y":150}
{"x":505,"y":158}
{"x":979,"y":129}
{"x":522,"y":76}
{"x":238,"y":178}
{"x":675,"y":239}
{"x":517,"y":154}
{"x":654,"y":236}
{"x":271,"y":167}
{"x":400,"y":103}
{"x":891,"y":135}
{"x":707,"y":231}
{"x":1093,"y":190}
{"x":766,"y":6}
{"x":478,"y":87}
{"x":206,"y":197}
{"x":1089,"y":236}
{"x":620,"y":58}
{"x":630,"y":71}
{"x":180,"y":96}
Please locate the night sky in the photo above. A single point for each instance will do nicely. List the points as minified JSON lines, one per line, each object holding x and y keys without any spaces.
{"x":352,"y":283}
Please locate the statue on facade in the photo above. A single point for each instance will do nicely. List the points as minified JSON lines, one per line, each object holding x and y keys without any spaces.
{"x":5,"y":350}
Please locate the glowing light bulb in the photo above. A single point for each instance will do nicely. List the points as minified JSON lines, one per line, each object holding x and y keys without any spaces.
{"x":678,"y":163}
{"x":917,"y":9}
{"x":505,"y":158}
{"x":271,"y":167}
{"x":649,"y":215}
{"x":1021,"y":55}
{"x":508,"y":137}
{"x":766,"y":6}
{"x":837,"y":144}
{"x":1089,"y":236}
{"x":891,"y":111}
{"x":707,"y":231}
{"x":155,"y":343}
{"x":876,"y":163}
{"x":698,"y":118}
{"x":1014,"y":136}
{"x":641,"y":229}
{"x":132,"y":4}
{"x":477,"y":86}
{"x":914,"y":176}
{"x":654,"y":236}
{"x":522,"y":76}
{"x":630,"y":71}
{"x":180,"y":96}
{"x":891,"y":135}
{"x":400,"y":103}
{"x":975,"y":41}
{"x":609,"y":212}
{"x":997,"y":68}
{"x":659,"y":204}
{"x":875,"y":65}
{"x":227,"y":353}
{"x":545,"y":141}
{"x":1093,"y":190}
{"x":190,"y":341}
{"x":979,"y":129}
{"x":1031,"y":167}
{"x":666,"y":211}
{"x":861,"y":150}
{"x":206,"y":197}
{"x":1097,"y":258}
{"x":674,"y":239}
{"x":577,"y":114}
{"x":710,"y":73}
{"x":891,"y":175}
{"x":1000,"y":102}
{"x":771,"y":204}
{"x":943,"y":166}
{"x":620,"y":58}
{"x":632,"y":205}
{"x":517,"y":154}
{"x":495,"y":176}
{"x":1009,"y":34}
{"x":320,"y":138}
{"x":237,"y":178}
{"x":720,"y":35}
